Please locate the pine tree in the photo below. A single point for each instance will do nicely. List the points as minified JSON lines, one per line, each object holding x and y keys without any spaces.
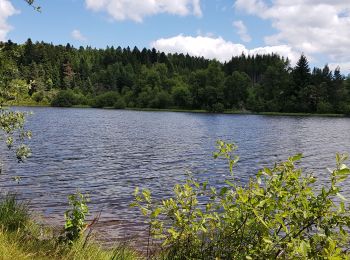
{"x":301,"y":73}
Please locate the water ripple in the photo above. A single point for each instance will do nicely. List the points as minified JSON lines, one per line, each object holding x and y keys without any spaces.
{"x":107,"y":153}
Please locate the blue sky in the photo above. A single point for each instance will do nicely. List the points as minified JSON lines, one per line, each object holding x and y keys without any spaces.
{"x":210,"y":28}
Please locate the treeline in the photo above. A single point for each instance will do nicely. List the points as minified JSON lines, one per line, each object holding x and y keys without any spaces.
{"x":123,"y":77}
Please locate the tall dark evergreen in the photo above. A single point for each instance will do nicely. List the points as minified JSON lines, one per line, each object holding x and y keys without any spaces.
{"x":301,"y":74}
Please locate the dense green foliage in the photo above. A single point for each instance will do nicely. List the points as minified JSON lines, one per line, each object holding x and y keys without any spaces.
{"x":279,"y":214}
{"x":67,"y":76}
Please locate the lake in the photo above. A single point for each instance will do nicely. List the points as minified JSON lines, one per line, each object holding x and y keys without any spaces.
{"x":107,"y":153}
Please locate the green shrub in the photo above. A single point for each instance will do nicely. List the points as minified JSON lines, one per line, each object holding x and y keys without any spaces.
{"x":14,"y":215}
{"x":344,"y":108}
{"x":162,"y":99}
{"x":182,"y":96}
{"x":107,"y":99}
{"x":68,"y":98}
{"x":279,"y":214}
{"x":38,"y":96}
{"x":120,"y":104}
{"x":81,"y":99}
{"x":65,"y":98}
{"x":75,"y":217}
{"x":217,"y":108}
{"x":324,"y":107}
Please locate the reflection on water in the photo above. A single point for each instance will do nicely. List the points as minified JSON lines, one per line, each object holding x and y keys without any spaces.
{"x":107,"y":153}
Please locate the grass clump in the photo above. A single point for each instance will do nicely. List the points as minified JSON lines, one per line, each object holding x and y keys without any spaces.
{"x":21,"y":246}
{"x":91,"y":251}
{"x":14,"y":214}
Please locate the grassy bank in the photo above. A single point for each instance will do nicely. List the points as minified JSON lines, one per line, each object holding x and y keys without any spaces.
{"x":18,"y":246}
{"x":229,"y":112}
{"x":300,"y":114}
{"x":27,"y":103}
{"x":22,"y":238}
{"x":237,"y":112}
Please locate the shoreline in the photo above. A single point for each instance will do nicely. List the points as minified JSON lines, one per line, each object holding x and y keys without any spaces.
{"x":197,"y":111}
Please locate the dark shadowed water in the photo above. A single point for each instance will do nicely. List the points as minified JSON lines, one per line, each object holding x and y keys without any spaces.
{"x":107,"y":153}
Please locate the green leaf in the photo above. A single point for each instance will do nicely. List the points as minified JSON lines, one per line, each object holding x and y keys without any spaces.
{"x":296,"y":157}
{"x":303,"y":248}
{"x":223,"y":191}
{"x":136,"y":191}
{"x":156,"y":212}
{"x":144,"y":211}
{"x":262,"y":203}
{"x":229,"y":183}
{"x":267,"y":171}
{"x":344,"y":171}
{"x":343,"y":166}
{"x":147,"y":195}
{"x":260,"y":219}
{"x":268,"y":241}
{"x":258,"y":180}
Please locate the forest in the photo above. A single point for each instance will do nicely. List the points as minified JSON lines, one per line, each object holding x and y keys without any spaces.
{"x":47,"y":74}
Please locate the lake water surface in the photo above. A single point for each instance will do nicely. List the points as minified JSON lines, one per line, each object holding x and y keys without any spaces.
{"x":107,"y":153}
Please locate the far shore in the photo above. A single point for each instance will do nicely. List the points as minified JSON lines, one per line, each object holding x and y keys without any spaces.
{"x":229,"y":112}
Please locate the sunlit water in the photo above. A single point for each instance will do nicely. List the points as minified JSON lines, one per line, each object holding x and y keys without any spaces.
{"x":107,"y":153}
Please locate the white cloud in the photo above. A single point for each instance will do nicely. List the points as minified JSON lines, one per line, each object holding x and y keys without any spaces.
{"x":242,"y":31}
{"x":218,"y":48}
{"x":6,"y":10}
{"x":315,"y":27}
{"x":77,"y":35}
{"x":136,"y":10}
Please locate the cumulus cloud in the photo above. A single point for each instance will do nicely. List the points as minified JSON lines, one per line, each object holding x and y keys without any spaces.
{"x":242,"y":31}
{"x":6,"y":10}
{"x":310,"y":26}
{"x":216,"y":48}
{"x":77,"y":35}
{"x":136,"y":10}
